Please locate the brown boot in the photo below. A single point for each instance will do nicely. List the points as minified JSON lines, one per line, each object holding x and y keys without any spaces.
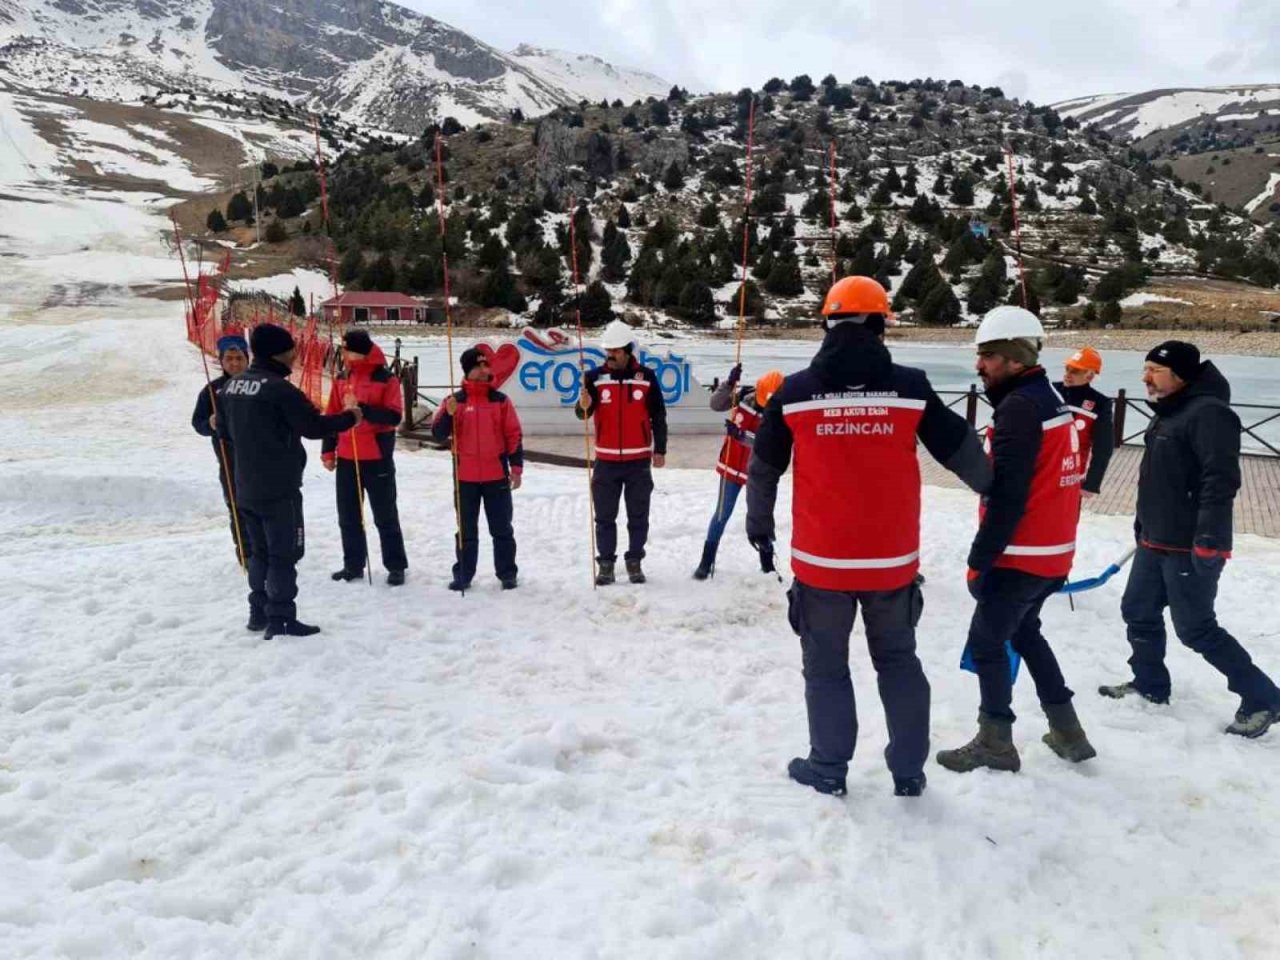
{"x":1066,"y":737}
{"x":991,"y":747}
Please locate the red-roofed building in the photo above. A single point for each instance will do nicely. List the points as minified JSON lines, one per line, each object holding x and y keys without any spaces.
{"x":372,"y":306}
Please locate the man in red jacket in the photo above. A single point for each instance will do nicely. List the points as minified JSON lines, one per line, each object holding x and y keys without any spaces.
{"x":630,"y":416}
{"x":490,"y":460}
{"x":1025,"y":543}
{"x":377,"y":390}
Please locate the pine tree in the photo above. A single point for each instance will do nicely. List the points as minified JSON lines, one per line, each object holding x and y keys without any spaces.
{"x":499,"y":290}
{"x":597,"y":305}
{"x":379,"y":274}
{"x":784,"y":277}
{"x":624,"y":218}
{"x":491,"y":253}
{"x":1111,"y":314}
{"x":297,"y":305}
{"x":216,"y":221}
{"x":939,"y":307}
{"x":962,"y":191}
{"x":239,"y":207}
{"x":351,"y":266}
{"x":697,"y":303}
{"x":673,"y":179}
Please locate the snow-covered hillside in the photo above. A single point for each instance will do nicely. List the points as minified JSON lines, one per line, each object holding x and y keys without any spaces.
{"x":379,"y":63}
{"x":1140,"y":115}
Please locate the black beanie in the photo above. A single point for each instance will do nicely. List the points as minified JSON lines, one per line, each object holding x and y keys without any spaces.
{"x":1180,"y":357}
{"x":268,"y":340}
{"x":469,"y":359}
{"x":358,"y":341}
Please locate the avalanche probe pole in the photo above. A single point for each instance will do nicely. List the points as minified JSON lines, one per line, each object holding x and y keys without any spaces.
{"x":213,"y":405}
{"x":448,"y":316}
{"x":333,"y":277}
{"x":582,"y":376}
{"x":1017,"y":225}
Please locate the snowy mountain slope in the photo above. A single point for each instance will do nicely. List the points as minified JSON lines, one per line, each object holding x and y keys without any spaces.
{"x":1139,"y":116}
{"x":384,"y":65}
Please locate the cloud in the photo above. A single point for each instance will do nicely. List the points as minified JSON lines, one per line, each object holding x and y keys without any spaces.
{"x":1044,"y":52}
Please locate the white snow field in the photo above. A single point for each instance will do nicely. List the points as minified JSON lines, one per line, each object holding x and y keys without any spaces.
{"x":555,"y":772}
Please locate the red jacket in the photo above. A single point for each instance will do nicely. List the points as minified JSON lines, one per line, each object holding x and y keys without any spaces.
{"x":739,"y":434}
{"x":1028,"y":521}
{"x":629,"y":412}
{"x":377,"y":390}
{"x":489,"y":441}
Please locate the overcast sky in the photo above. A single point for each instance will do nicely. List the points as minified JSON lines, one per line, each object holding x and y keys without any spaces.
{"x":1044,"y":51}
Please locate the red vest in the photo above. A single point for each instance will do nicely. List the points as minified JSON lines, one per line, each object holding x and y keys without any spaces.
{"x":1086,"y":419}
{"x":623,"y":428}
{"x":1044,"y":542}
{"x":856,"y":504}
{"x":740,"y":432}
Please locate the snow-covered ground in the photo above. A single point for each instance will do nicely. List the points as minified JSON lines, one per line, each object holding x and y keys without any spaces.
{"x":554,"y":772}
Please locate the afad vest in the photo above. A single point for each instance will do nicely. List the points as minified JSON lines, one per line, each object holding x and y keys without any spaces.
{"x":1044,"y":542}
{"x":740,"y":433}
{"x":856,"y":504}
{"x":623,"y":428}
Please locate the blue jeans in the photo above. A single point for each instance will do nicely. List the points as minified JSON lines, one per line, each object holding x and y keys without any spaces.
{"x":1161,"y":579}
{"x":727,"y":498}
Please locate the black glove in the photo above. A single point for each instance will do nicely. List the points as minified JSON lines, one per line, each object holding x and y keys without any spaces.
{"x":735,"y":374}
{"x":764,"y":547}
{"x":974,"y":580}
{"x":1206,"y":559}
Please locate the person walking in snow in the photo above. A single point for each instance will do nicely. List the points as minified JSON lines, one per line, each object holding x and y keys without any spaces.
{"x":233,"y":357}
{"x":376,"y":390}
{"x":1025,"y":543}
{"x":745,"y":408}
{"x":1187,"y":484}
{"x":265,"y":417}
{"x":490,"y":463}
{"x":630,"y":416}
{"x":852,"y":420}
{"x":1092,"y":412}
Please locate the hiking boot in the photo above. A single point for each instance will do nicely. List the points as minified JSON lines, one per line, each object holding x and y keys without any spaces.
{"x":604,"y":573}
{"x":346,"y":573}
{"x":257,"y":621}
{"x":707,"y":565}
{"x":1066,"y":737}
{"x":1118,"y":691}
{"x":909,"y":786}
{"x":1253,"y":725}
{"x":395,"y":578}
{"x":634,"y":573}
{"x":510,"y":583}
{"x":457,"y":586}
{"x":801,"y":771}
{"x":290,"y":628}
{"x":992,"y":747}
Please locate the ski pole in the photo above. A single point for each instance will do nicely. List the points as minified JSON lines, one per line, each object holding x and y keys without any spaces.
{"x":582,"y":374}
{"x":448,"y":316}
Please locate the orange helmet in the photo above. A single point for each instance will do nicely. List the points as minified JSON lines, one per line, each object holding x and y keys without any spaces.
{"x":856,"y":295}
{"x":767,"y":386}
{"x":1086,"y":358}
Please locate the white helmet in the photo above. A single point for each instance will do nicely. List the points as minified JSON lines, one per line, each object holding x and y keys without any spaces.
{"x":1009,"y":323}
{"x":617,"y":335}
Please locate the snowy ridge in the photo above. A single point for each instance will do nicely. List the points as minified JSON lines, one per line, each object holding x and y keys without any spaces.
{"x":381,"y":64}
{"x":1139,"y":115}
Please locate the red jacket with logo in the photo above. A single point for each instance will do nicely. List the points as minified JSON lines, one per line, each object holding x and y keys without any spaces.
{"x":1092,"y":411}
{"x":1028,"y":520}
{"x":739,"y":436}
{"x":851,"y":422}
{"x":629,"y":412}
{"x":377,"y":390}
{"x":489,"y":442}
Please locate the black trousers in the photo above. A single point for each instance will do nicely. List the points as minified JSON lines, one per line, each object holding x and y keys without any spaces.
{"x":1008,"y":610}
{"x":1162,"y":579}
{"x":824,"y":620}
{"x":276,"y":542}
{"x":611,"y":482}
{"x":378,"y":479}
{"x":495,"y":496}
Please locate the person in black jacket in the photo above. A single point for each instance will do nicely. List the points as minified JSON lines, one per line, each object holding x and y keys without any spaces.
{"x":233,"y":356}
{"x":1187,"y":482}
{"x":265,"y":417}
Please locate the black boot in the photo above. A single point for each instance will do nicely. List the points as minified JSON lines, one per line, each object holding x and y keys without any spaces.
{"x":604,"y":573}
{"x":1118,"y":691}
{"x":1066,"y":737}
{"x":290,"y":628}
{"x":257,"y":620}
{"x":707,"y":566}
{"x":346,"y":573}
{"x":909,"y":786}
{"x":395,"y":578}
{"x":457,"y":586}
{"x":510,"y":583}
{"x":634,"y":573}
{"x":801,"y":771}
